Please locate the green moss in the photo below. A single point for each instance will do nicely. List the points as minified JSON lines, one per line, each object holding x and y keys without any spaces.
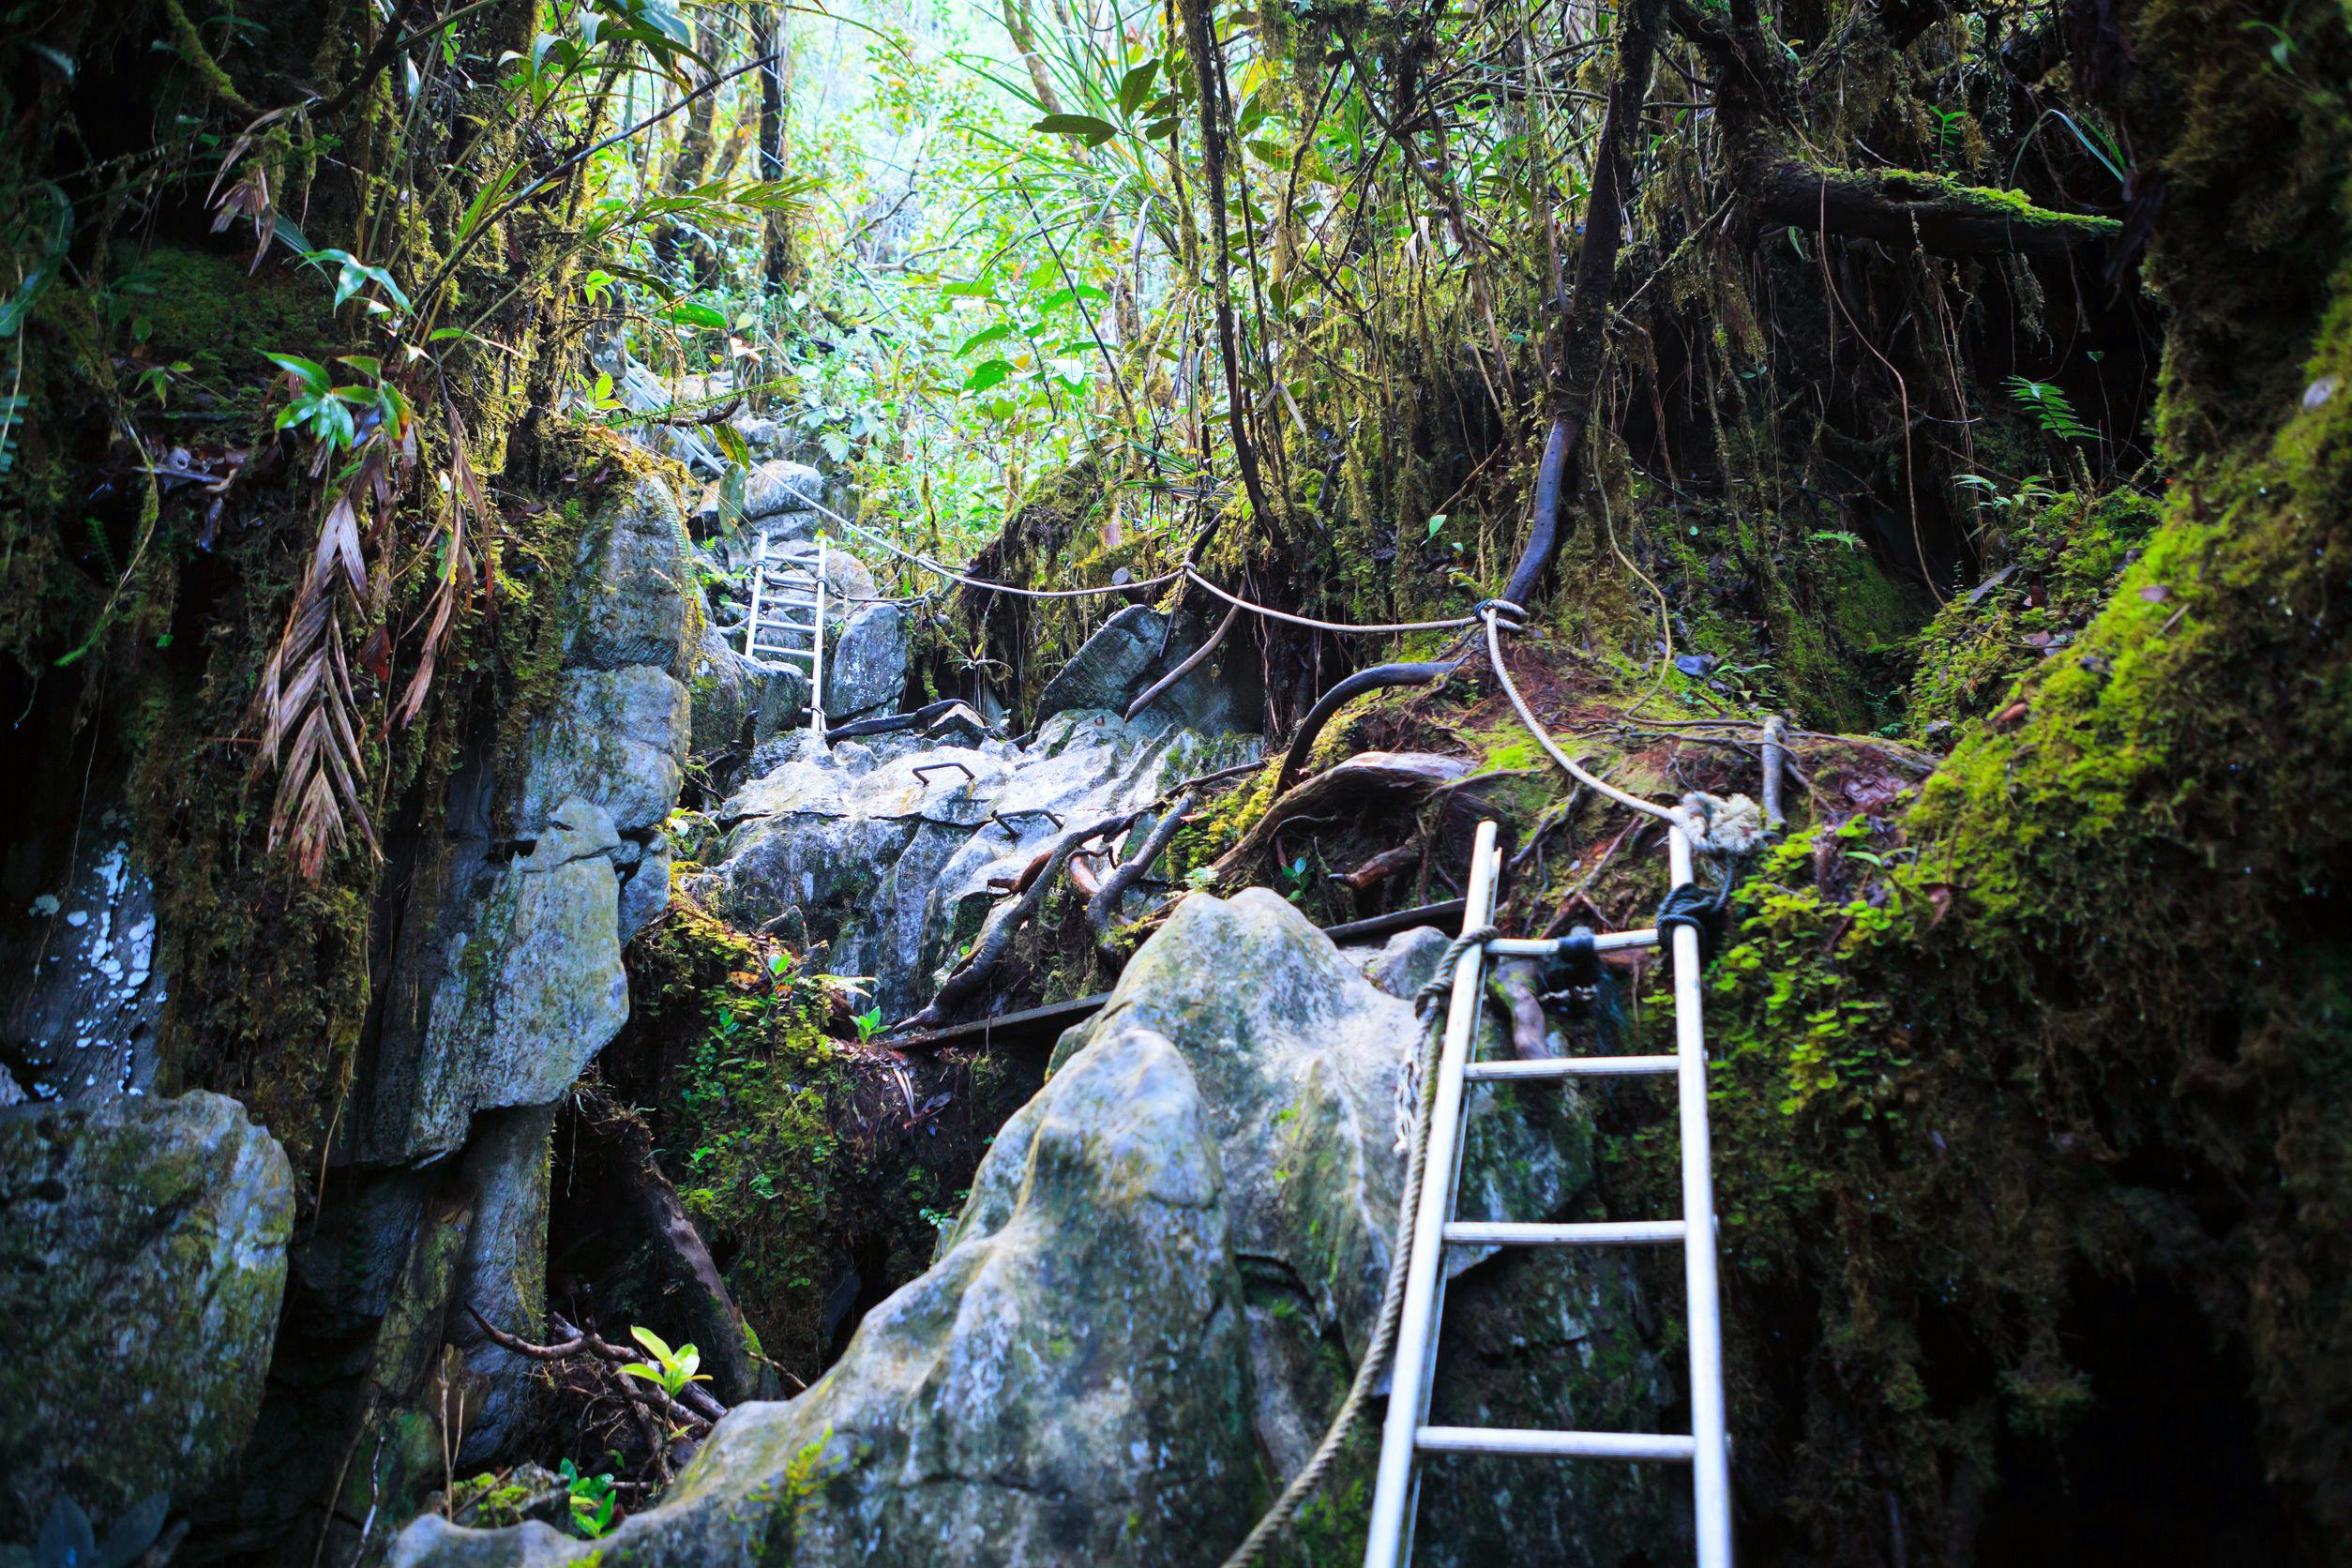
{"x":791,"y":1150}
{"x":2065,"y":558}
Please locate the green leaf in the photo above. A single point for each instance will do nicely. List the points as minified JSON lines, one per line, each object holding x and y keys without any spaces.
{"x":687,"y":312}
{"x":310,"y":373}
{"x":1136,"y":86}
{"x":653,"y":1342}
{"x":985,"y":335}
{"x":1094,"y":132}
{"x":1059,"y":297}
{"x":986,"y":374}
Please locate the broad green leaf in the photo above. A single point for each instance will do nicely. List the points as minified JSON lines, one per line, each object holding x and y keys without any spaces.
{"x":986,"y":374}
{"x":1087,"y":128}
{"x":1135,"y":85}
{"x":687,"y":312}
{"x":310,"y":372}
{"x":985,"y":335}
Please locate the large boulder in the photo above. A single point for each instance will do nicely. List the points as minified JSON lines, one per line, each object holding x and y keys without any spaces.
{"x":617,"y":738}
{"x":142,"y":1257}
{"x":885,"y":849}
{"x":865,"y":667}
{"x":531,"y":987}
{"x":626,"y":605}
{"x":777,"y":489}
{"x":1069,"y":1384}
{"x":724,"y":694}
{"x":1127,"y":654}
{"x":1152,"y":1301}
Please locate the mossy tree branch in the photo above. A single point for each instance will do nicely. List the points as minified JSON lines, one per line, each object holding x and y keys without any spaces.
{"x":1902,"y":207}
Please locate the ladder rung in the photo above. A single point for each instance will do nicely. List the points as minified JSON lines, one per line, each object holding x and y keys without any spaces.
{"x":1635,"y":1233}
{"x":1671,"y":1446}
{"x":1574,"y":1066}
{"x":782,"y":653}
{"x":1543,"y":947}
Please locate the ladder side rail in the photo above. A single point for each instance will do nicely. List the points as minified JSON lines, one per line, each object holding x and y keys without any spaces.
{"x":1711,"y":1468}
{"x":817,"y":643}
{"x":1385,"y":1543}
{"x":751,"y":623}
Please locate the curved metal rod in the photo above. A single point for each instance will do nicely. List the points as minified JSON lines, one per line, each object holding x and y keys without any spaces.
{"x":1192,"y":662}
{"x":1355,"y":685}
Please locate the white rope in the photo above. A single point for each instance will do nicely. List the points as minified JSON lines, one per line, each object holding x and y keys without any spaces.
{"x":931,"y":565}
{"x":1714,"y":824}
{"x":1309,"y":622}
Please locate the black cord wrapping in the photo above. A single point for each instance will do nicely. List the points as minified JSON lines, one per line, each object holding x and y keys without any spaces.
{"x":1707,"y":913}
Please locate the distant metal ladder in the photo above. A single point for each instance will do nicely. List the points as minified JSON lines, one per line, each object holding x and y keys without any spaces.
{"x":1406,"y":1436}
{"x":773,"y":619}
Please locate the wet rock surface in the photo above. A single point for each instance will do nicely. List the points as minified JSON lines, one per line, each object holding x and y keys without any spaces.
{"x":143,"y":1258}
{"x":82,"y":993}
{"x":1168,"y":1262}
{"x":885,"y":848}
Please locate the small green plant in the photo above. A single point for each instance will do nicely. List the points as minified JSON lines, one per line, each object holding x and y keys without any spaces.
{"x":333,"y":414}
{"x":1296,"y":878}
{"x":869,"y":1023}
{"x":2050,"y":407}
{"x":2030,"y":494}
{"x":669,"y":1370}
{"x":590,"y":1498}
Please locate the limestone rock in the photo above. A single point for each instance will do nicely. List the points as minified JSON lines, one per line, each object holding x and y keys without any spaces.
{"x":725,"y":693}
{"x":532,"y":987}
{"x":612,"y":737}
{"x":1111,"y":666}
{"x":850,"y":846}
{"x":1069,"y":1384}
{"x":644,"y":888}
{"x":504,"y":1275}
{"x":1168,"y":1261}
{"x":865,"y":668}
{"x":783,"y":701}
{"x":143,"y":1258}
{"x":1127,"y":654}
{"x":777,"y":488}
{"x":629,"y":604}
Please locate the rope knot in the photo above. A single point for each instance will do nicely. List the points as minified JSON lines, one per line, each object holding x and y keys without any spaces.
{"x":1724,"y":827}
{"x":1502,"y":613}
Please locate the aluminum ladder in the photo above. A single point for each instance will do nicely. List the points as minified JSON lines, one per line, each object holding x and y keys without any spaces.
{"x":772,"y":629}
{"x":1405,"y":1435}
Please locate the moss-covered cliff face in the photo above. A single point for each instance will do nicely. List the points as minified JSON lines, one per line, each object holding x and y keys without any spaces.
{"x":2034,"y":1038}
{"x":2037,"y":1068}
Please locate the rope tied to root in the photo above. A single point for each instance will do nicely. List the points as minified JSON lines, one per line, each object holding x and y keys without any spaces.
{"x":1420,"y":1072}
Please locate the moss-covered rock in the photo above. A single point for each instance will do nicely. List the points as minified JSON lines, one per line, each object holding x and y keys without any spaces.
{"x":142,"y":1257}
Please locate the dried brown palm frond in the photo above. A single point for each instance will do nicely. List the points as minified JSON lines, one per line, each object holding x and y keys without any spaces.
{"x":458,"y":575}
{"x":304,"y":705}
